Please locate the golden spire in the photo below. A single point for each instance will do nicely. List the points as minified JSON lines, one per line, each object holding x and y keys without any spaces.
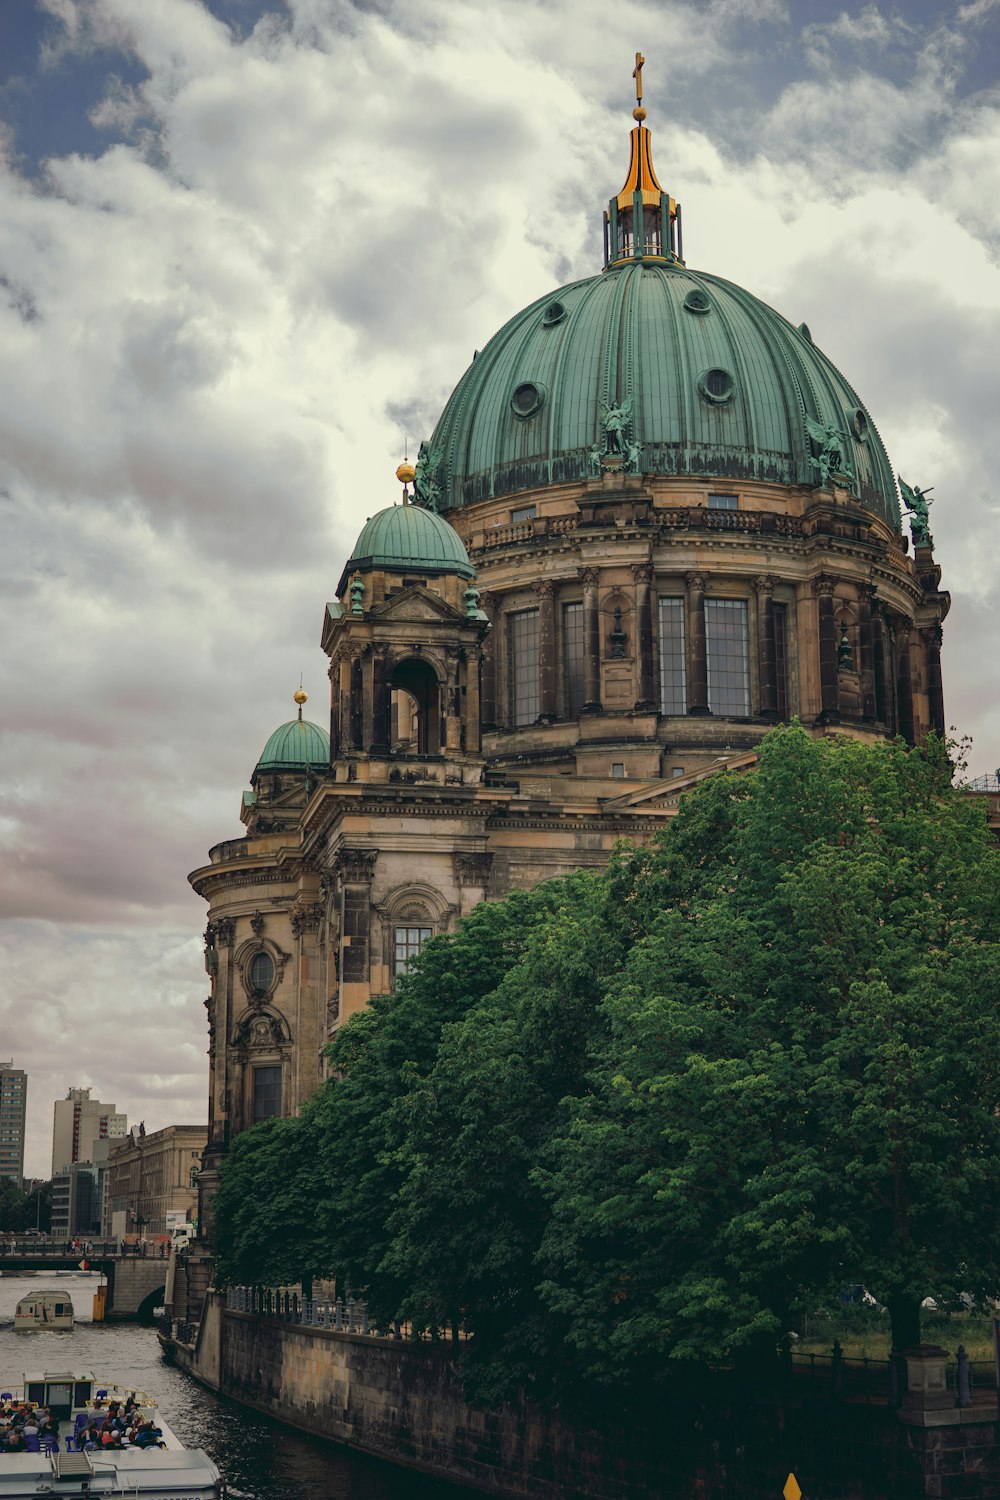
{"x":641,"y":172}
{"x":643,"y":222}
{"x":300,"y":697}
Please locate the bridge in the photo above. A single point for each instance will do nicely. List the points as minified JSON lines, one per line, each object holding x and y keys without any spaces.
{"x":136,"y":1283}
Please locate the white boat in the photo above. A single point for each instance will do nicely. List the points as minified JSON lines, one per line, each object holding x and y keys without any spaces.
{"x":165,"y":1470}
{"x":44,"y":1310}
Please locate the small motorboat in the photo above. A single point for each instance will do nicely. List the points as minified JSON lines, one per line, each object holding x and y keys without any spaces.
{"x":155,"y":1466}
{"x":52,"y":1310}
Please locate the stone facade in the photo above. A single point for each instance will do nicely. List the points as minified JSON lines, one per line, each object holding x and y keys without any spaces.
{"x":149,"y":1175}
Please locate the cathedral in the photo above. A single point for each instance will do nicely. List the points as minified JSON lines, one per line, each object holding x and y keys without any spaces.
{"x":653,"y":520}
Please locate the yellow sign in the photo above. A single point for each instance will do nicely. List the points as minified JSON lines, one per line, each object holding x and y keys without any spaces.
{"x":791,"y":1490}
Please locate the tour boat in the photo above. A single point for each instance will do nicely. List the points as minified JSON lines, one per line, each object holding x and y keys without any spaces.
{"x":44,"y":1310}
{"x":165,"y":1471}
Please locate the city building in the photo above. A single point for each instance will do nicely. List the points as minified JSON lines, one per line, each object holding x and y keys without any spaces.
{"x":653,"y":521}
{"x":77,"y":1198}
{"x":151,"y":1176}
{"x":13,"y":1111}
{"x":78,"y":1123}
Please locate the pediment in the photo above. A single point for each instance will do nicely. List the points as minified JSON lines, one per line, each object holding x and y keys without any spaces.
{"x":416,"y":604}
{"x":666,"y":793}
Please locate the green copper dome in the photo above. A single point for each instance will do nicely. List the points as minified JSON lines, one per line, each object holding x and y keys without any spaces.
{"x":717,"y":384}
{"x":407,"y":539}
{"x":295,"y":746}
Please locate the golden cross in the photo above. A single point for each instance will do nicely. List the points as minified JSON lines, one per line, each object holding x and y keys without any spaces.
{"x":637,"y":75}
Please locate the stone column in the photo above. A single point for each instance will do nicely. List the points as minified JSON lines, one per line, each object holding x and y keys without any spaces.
{"x":935,"y":688}
{"x":473,"y":736}
{"x":356,"y":699}
{"x":547,"y":704}
{"x":356,"y":868}
{"x":866,"y":641}
{"x":453,"y":716}
{"x":697,"y":648}
{"x":380,"y":726}
{"x":488,"y":707}
{"x":829,"y":712}
{"x":334,"y":675}
{"x":767,"y":651}
{"x":643,"y":576}
{"x":344,"y":693}
{"x":904,"y":684}
{"x":880,"y":664}
{"x":591,"y":642}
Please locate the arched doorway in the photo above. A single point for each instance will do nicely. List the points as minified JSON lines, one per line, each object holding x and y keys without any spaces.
{"x":416,"y":708}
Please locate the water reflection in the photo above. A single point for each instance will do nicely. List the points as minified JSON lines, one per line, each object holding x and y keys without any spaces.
{"x":261,"y":1459}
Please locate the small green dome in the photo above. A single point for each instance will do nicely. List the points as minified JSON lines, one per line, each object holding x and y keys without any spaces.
{"x":294,"y":746}
{"x":408,"y":539}
{"x":718,"y":385}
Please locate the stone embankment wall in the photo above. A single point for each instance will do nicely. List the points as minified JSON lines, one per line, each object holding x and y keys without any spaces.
{"x":403,"y":1402}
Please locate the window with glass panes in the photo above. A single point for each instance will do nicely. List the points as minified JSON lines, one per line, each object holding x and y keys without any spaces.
{"x":572,"y":644}
{"x":266,"y":1093}
{"x":723,"y":502}
{"x":522,"y":658}
{"x":781,"y":658}
{"x":409,"y":941}
{"x":673,"y":689}
{"x":726,"y":640}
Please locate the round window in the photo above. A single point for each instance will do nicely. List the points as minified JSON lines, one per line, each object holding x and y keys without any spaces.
{"x":716,"y":386}
{"x":526,"y":400}
{"x":261,"y":975}
{"x":859,"y":424}
{"x":697,"y":301}
{"x":554,"y":313}
{"x":804,"y":330}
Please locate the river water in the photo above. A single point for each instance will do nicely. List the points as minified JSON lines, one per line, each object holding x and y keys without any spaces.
{"x":261,"y":1459}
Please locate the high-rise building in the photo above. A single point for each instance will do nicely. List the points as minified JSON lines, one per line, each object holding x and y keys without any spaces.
{"x":78,"y":1123}
{"x":13,"y":1106}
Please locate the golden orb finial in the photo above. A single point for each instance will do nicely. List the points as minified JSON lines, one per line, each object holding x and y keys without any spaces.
{"x":639,"y":113}
{"x":406,"y":474}
{"x":300,"y":696}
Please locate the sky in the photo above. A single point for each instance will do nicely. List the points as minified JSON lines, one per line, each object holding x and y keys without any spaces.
{"x":247,"y":247}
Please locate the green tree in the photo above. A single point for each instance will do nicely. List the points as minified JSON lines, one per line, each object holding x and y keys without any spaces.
{"x":12,"y":1205}
{"x":469,"y":1218}
{"x":803,"y":1072}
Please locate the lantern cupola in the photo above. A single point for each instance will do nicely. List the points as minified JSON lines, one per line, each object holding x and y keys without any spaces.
{"x":642,"y":222}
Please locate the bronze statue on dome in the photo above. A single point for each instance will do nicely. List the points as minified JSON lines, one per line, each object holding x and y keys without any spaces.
{"x":831,"y":462}
{"x":426,"y":487}
{"x":916,"y":505}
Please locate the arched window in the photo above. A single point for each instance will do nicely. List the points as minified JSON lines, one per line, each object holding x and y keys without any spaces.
{"x":416,"y":708}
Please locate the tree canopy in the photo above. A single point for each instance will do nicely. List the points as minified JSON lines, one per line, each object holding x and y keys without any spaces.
{"x":645,"y":1115}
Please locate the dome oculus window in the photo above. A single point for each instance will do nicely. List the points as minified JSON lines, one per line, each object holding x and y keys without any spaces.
{"x":554,"y":313}
{"x":260,"y":974}
{"x":716,"y":387}
{"x":526,"y":400}
{"x":859,"y":424}
{"x":697,"y":301}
